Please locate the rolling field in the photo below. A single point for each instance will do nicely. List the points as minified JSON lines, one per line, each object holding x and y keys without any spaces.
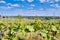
{"x":35,"y":29}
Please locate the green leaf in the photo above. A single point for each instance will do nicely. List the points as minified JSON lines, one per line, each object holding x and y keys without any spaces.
{"x":44,"y":33}
{"x":15,"y":38}
{"x":30,"y":28}
{"x":54,"y":28}
{"x":23,"y":32}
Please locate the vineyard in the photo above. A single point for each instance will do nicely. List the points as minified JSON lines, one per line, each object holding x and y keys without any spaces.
{"x":35,"y":29}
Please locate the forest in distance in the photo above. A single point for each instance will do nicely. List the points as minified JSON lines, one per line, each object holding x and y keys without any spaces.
{"x":32,"y":17}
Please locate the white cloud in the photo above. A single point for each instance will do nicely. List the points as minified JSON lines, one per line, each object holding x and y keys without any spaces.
{"x":41,"y":9}
{"x":42,"y":1}
{"x":53,"y":5}
{"x":56,"y":0}
{"x":30,"y":0}
{"x":6,"y":7}
{"x":13,"y":5}
{"x":51,"y":1}
{"x":17,"y":0}
{"x":47,"y":0}
{"x":9,"y":6}
{"x":56,"y":5}
{"x":32,"y":5}
{"x":22,"y":0}
{"x":2,"y":2}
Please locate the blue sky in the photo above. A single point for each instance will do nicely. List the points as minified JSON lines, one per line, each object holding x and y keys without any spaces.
{"x":29,"y":7}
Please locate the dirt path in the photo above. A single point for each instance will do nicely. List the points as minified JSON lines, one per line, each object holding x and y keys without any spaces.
{"x":2,"y":32}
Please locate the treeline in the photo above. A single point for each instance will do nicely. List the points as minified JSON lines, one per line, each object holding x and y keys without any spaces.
{"x":32,"y":17}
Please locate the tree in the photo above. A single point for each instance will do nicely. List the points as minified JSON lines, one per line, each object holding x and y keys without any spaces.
{"x":47,"y":18}
{"x":19,"y":16}
{"x":0,"y":15}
